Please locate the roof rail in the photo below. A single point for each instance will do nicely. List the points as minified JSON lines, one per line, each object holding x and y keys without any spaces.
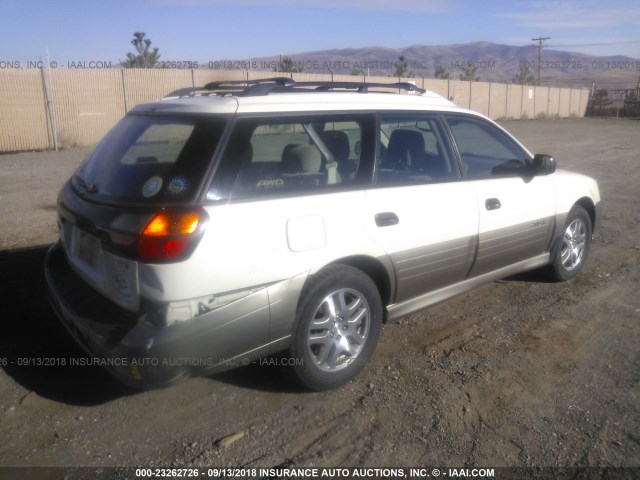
{"x":230,"y":86}
{"x":361,"y":87}
{"x":264,"y":86}
{"x":279,"y":81}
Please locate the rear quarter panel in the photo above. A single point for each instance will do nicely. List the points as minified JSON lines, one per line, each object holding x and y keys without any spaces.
{"x":258,"y":243}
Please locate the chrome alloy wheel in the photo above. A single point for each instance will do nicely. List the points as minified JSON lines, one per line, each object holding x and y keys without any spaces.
{"x":339,"y":329}
{"x":573,"y":244}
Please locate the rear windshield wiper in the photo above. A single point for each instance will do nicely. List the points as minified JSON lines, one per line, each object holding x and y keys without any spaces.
{"x":88,"y":187}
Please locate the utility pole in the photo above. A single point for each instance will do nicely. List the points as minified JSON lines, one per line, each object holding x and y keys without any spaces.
{"x":540,"y":40}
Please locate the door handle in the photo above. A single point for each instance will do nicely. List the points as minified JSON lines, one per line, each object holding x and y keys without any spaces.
{"x":386,"y":219}
{"x":492,"y":203}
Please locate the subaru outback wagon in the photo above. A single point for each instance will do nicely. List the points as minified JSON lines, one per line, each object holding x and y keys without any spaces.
{"x":244,"y":219}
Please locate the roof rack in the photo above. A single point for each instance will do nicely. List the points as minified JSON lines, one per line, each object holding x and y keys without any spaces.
{"x":265,"y":86}
{"x":361,"y":87}
{"x":229,"y":86}
{"x":280,"y":81}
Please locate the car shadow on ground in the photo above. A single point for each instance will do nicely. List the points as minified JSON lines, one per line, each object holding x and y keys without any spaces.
{"x":271,"y":374}
{"x":35,"y":349}
{"x":539,"y":275}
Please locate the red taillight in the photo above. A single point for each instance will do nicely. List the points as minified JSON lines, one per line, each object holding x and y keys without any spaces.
{"x":169,"y":236}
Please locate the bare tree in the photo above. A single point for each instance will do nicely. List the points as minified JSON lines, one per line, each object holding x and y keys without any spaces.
{"x":600,"y":102}
{"x":632,"y":104}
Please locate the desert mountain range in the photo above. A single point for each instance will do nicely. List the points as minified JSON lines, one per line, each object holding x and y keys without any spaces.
{"x":493,"y":62}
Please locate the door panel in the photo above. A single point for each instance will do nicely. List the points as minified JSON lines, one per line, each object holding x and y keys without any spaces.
{"x":434,"y":241}
{"x":520,"y":228}
{"x":516,"y":210}
{"x":427,"y":268}
{"x":425,"y":219}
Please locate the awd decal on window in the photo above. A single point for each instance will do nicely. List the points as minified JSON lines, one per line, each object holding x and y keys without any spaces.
{"x":270,"y":183}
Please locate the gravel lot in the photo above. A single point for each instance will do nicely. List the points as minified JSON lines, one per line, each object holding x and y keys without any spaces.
{"x":520,"y":372}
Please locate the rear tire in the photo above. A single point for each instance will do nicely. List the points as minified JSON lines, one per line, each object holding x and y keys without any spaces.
{"x":573,"y":246}
{"x":337,"y":327}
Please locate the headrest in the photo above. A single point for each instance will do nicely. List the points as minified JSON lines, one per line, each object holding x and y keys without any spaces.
{"x":301,"y":159}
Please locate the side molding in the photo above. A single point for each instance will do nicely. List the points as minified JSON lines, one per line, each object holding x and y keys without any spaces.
{"x":418,"y":303}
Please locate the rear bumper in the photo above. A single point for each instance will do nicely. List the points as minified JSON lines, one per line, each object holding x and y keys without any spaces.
{"x":144,"y":355}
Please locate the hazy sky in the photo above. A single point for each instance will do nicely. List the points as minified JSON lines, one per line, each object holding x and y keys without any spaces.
{"x":209,"y":30}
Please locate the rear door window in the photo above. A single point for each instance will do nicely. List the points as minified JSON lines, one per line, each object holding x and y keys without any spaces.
{"x":414,"y":149}
{"x":151,"y":159}
{"x":293,"y":156}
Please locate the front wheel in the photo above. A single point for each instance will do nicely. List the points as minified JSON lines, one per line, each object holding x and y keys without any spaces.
{"x":573,"y":246}
{"x":337,"y":327}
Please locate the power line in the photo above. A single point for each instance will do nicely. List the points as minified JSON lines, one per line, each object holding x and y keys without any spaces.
{"x":601,"y":44}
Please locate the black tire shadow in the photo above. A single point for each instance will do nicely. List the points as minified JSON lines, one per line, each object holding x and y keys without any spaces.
{"x":35,"y":349}
{"x":270,"y":374}
{"x":539,"y":275}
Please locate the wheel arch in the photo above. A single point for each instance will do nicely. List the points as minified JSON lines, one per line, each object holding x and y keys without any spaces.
{"x":561,"y":273}
{"x":588,"y":204}
{"x":556,"y":240}
{"x":329,"y":334}
{"x":375,"y":268}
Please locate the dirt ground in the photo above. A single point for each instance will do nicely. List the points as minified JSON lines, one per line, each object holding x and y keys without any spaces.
{"x":520,"y":372}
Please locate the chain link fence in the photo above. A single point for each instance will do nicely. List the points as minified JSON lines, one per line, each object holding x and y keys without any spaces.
{"x":62,"y":108}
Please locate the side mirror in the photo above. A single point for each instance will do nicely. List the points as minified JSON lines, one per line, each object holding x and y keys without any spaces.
{"x":543,"y":164}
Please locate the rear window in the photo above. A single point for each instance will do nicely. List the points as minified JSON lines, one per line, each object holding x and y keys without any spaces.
{"x":150,"y":159}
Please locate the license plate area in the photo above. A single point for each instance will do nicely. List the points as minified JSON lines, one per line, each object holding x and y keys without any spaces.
{"x":114,"y":277}
{"x":88,"y":248}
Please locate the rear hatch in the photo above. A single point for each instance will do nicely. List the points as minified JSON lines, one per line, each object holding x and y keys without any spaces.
{"x":135,"y":199}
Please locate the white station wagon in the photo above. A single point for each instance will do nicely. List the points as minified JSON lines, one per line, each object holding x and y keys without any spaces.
{"x":239,"y":220}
